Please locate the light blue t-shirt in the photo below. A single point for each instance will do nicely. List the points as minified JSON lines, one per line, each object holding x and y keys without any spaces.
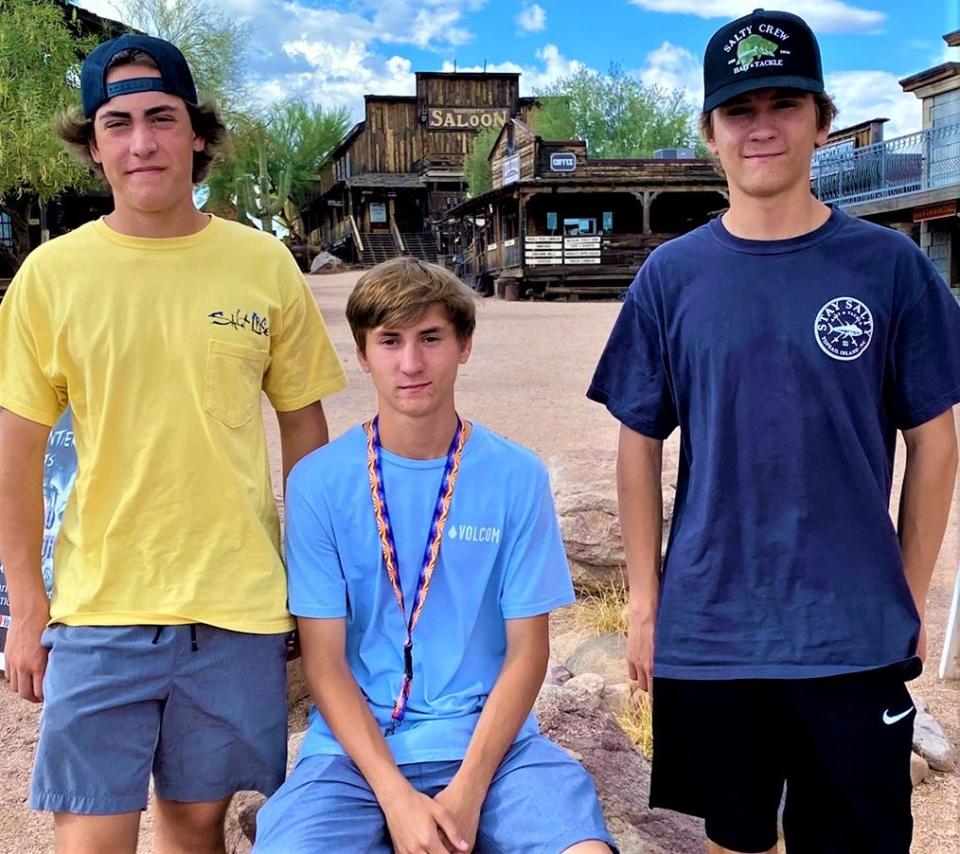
{"x":502,"y":558}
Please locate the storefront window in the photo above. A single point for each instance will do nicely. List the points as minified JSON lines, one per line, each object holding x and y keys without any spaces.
{"x":577,"y":226}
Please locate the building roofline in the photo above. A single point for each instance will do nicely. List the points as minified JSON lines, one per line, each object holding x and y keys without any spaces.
{"x":944,"y":71}
{"x":470,"y":75}
{"x":394,"y":98}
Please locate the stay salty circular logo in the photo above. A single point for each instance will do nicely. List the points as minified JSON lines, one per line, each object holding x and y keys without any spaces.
{"x":844,"y":328}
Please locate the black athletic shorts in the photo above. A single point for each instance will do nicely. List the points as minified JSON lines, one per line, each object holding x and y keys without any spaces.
{"x":723,"y":750}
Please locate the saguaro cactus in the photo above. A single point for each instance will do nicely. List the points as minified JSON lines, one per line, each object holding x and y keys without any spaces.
{"x":254,"y":196}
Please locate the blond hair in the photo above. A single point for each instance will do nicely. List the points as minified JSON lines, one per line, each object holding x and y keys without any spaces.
{"x":397,"y":293}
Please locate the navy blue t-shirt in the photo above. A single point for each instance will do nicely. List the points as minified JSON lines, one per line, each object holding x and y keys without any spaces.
{"x":789,"y":366}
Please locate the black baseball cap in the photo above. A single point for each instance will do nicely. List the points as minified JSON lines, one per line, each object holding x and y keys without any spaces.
{"x":175,"y":77}
{"x":760,"y":51}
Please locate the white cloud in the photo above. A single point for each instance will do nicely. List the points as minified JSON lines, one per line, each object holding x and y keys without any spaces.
{"x":863,"y":95}
{"x":554,"y":66}
{"x":428,"y":24}
{"x":334,"y":54}
{"x":824,"y":16}
{"x":672,"y":67}
{"x":532,"y":18}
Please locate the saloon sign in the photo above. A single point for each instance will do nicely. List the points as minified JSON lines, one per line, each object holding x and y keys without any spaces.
{"x":467,"y":118}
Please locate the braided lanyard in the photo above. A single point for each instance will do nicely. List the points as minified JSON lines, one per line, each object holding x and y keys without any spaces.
{"x":389,"y":549}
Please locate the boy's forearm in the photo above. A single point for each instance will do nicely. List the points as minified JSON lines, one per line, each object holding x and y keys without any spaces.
{"x":345,"y":710}
{"x":640,"y":502}
{"x":926,"y":494}
{"x":504,"y":713}
{"x":21,"y":523}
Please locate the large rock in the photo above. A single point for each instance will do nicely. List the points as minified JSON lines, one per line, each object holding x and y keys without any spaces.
{"x":562,"y":644}
{"x":621,"y":773}
{"x":591,"y":532}
{"x":919,"y":769}
{"x":585,"y":492}
{"x":556,"y":674}
{"x":325,"y":263}
{"x":240,"y":827}
{"x":929,"y":739}
{"x":603,"y":654}
{"x":298,"y":696}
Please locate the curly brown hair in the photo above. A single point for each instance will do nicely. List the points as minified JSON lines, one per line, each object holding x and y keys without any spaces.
{"x":77,"y":131}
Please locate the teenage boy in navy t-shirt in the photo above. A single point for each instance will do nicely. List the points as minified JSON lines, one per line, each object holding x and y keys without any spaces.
{"x":424,"y":557}
{"x":789,"y":343}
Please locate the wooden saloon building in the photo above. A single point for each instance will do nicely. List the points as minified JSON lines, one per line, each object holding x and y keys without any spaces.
{"x":388,"y":185}
{"x":558,"y":222}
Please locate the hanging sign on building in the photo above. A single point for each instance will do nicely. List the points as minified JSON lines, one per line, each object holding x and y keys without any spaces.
{"x":467,"y":118}
{"x":511,"y":169}
{"x":941,"y":210}
{"x":563,"y":161}
{"x":378,"y":212}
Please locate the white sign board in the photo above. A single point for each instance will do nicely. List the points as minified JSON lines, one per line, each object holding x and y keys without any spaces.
{"x":378,"y":212}
{"x":563,"y":161}
{"x":950,"y":660}
{"x":511,"y":169}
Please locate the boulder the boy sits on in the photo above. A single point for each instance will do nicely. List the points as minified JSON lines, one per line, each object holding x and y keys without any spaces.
{"x":424,"y":558}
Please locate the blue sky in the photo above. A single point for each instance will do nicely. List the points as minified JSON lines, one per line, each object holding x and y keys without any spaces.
{"x":335,"y":52}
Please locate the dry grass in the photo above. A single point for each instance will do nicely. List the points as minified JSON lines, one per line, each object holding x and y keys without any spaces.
{"x":604,"y":611}
{"x":636,"y":720}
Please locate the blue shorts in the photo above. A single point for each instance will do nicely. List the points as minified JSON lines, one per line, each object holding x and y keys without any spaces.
{"x":540,"y":800}
{"x":203,"y":709}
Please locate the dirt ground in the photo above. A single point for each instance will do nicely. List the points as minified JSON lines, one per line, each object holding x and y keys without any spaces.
{"x":526,"y":379}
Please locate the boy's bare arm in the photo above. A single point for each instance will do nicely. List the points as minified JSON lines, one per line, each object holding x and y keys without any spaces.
{"x":301,"y":431}
{"x":507,"y":707}
{"x":22,"y":448}
{"x":640,"y":498}
{"x":416,"y":822}
{"x":928,"y":481}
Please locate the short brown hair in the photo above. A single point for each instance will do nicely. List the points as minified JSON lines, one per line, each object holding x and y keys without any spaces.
{"x":77,"y":131}
{"x":400,"y":291}
{"x":826,"y":113}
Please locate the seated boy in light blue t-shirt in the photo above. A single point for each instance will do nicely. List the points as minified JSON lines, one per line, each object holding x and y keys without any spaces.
{"x":424,"y":557}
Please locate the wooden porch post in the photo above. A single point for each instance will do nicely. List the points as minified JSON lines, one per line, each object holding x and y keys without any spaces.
{"x":647,"y":202}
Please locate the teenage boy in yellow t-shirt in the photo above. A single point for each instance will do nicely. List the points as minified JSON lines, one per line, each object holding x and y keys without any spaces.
{"x":159,"y":326}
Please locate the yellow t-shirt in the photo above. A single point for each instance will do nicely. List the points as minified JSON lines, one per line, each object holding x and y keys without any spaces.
{"x":161,"y":348}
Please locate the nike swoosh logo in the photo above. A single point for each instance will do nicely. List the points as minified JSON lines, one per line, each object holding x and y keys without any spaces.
{"x":892,"y":719}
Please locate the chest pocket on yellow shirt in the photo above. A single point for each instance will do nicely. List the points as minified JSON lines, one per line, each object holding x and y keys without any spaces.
{"x":232,"y":380}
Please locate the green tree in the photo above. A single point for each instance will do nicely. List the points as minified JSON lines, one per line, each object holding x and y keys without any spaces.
{"x":214,"y":44}
{"x":553,"y":118}
{"x":476,"y":165}
{"x":39,"y":72}
{"x":301,"y":135}
{"x":617,"y":115}
{"x":294,"y":135}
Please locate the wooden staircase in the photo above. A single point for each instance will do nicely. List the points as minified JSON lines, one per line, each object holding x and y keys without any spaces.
{"x":422,"y":246}
{"x":377,"y":248}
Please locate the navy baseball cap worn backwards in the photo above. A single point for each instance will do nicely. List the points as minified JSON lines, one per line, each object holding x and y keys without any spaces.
{"x":175,"y":77}
{"x":761,"y":50}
